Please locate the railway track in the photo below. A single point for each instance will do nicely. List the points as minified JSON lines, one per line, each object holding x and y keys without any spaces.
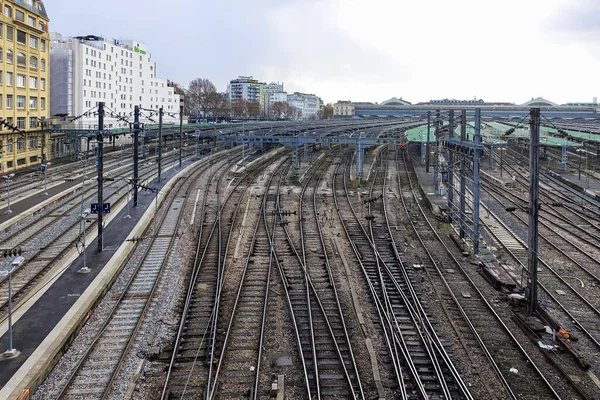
{"x":436,"y":373}
{"x":197,"y":348}
{"x":99,"y":366}
{"x":237,"y":374}
{"x":487,"y":336}
{"x":51,"y":234}
{"x":581,"y":312}
{"x":94,"y":375}
{"x":326,"y":346}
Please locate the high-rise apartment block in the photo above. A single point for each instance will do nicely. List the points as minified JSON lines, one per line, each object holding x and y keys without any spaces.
{"x":247,"y":88}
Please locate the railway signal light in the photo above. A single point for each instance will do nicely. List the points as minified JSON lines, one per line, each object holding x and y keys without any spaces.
{"x":372,"y":199}
{"x":509,"y":131}
{"x":12,"y":252}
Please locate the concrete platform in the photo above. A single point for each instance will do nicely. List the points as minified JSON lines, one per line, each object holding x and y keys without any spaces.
{"x":52,"y":319}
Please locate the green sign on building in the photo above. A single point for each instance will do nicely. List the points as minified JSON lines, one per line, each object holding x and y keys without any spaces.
{"x":138,"y":50}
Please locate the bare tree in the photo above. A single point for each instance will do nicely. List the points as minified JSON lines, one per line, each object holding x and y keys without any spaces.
{"x":214,"y":100}
{"x":199,"y":95}
{"x":326,"y":112}
{"x":253,"y":108}
{"x":278,"y":109}
{"x":223,"y":108}
{"x":239,"y":109}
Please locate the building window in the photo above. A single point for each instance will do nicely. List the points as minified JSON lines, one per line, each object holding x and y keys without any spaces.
{"x":7,"y":11}
{"x":1,"y":54}
{"x":43,"y":65}
{"x":9,"y":56}
{"x":1,"y":29}
{"x":31,"y":21}
{"x":19,"y":16}
{"x":20,"y":80}
{"x":21,"y":102}
{"x":32,"y":103}
{"x":32,"y":82}
{"x":9,"y":33}
{"x":42,"y":103}
{"x":32,"y":125}
{"x":9,"y":101}
{"x":33,"y":62}
{"x":9,"y":79}
{"x":43,"y":45}
{"x":33,"y":42}
{"x":21,"y":59}
{"x":9,"y":147}
{"x":21,"y":125}
{"x":43,"y":83}
{"x":41,"y":26}
{"x":21,"y":37}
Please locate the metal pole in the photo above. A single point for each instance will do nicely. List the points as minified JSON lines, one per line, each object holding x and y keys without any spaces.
{"x":180,"y":132}
{"x":84,"y":250}
{"x":45,"y":182}
{"x":579,"y":165}
{"x":43,"y":140}
{"x":476,"y":158}
{"x":100,"y":140}
{"x":501,"y":159}
{"x":160,"y":122}
{"x":427,"y":146}
{"x":128,"y":200}
{"x":587,"y":173}
{"x":8,"y":198}
{"x":10,"y":341}
{"x":136,"y":134}
{"x":533,"y":207}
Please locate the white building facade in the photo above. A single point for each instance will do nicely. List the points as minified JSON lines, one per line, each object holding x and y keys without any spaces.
{"x":308,"y":104}
{"x":273,"y":92}
{"x":86,"y":70}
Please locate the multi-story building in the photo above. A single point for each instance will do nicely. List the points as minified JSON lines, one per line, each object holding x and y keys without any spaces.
{"x":90,"y":69}
{"x":343,"y":108}
{"x":247,"y":88}
{"x":24,"y":88}
{"x":273,"y":92}
{"x":307,"y":104}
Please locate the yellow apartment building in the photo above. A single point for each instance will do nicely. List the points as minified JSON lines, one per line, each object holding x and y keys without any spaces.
{"x":24,"y":84}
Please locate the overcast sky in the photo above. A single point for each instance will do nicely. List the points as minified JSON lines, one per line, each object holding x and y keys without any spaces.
{"x":362,"y":50}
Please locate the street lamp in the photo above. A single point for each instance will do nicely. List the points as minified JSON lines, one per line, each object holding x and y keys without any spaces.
{"x":83,"y":217}
{"x":11,"y":352}
{"x":579,"y":165}
{"x":44,"y":169}
{"x":8,"y":182}
{"x":129,"y":186}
